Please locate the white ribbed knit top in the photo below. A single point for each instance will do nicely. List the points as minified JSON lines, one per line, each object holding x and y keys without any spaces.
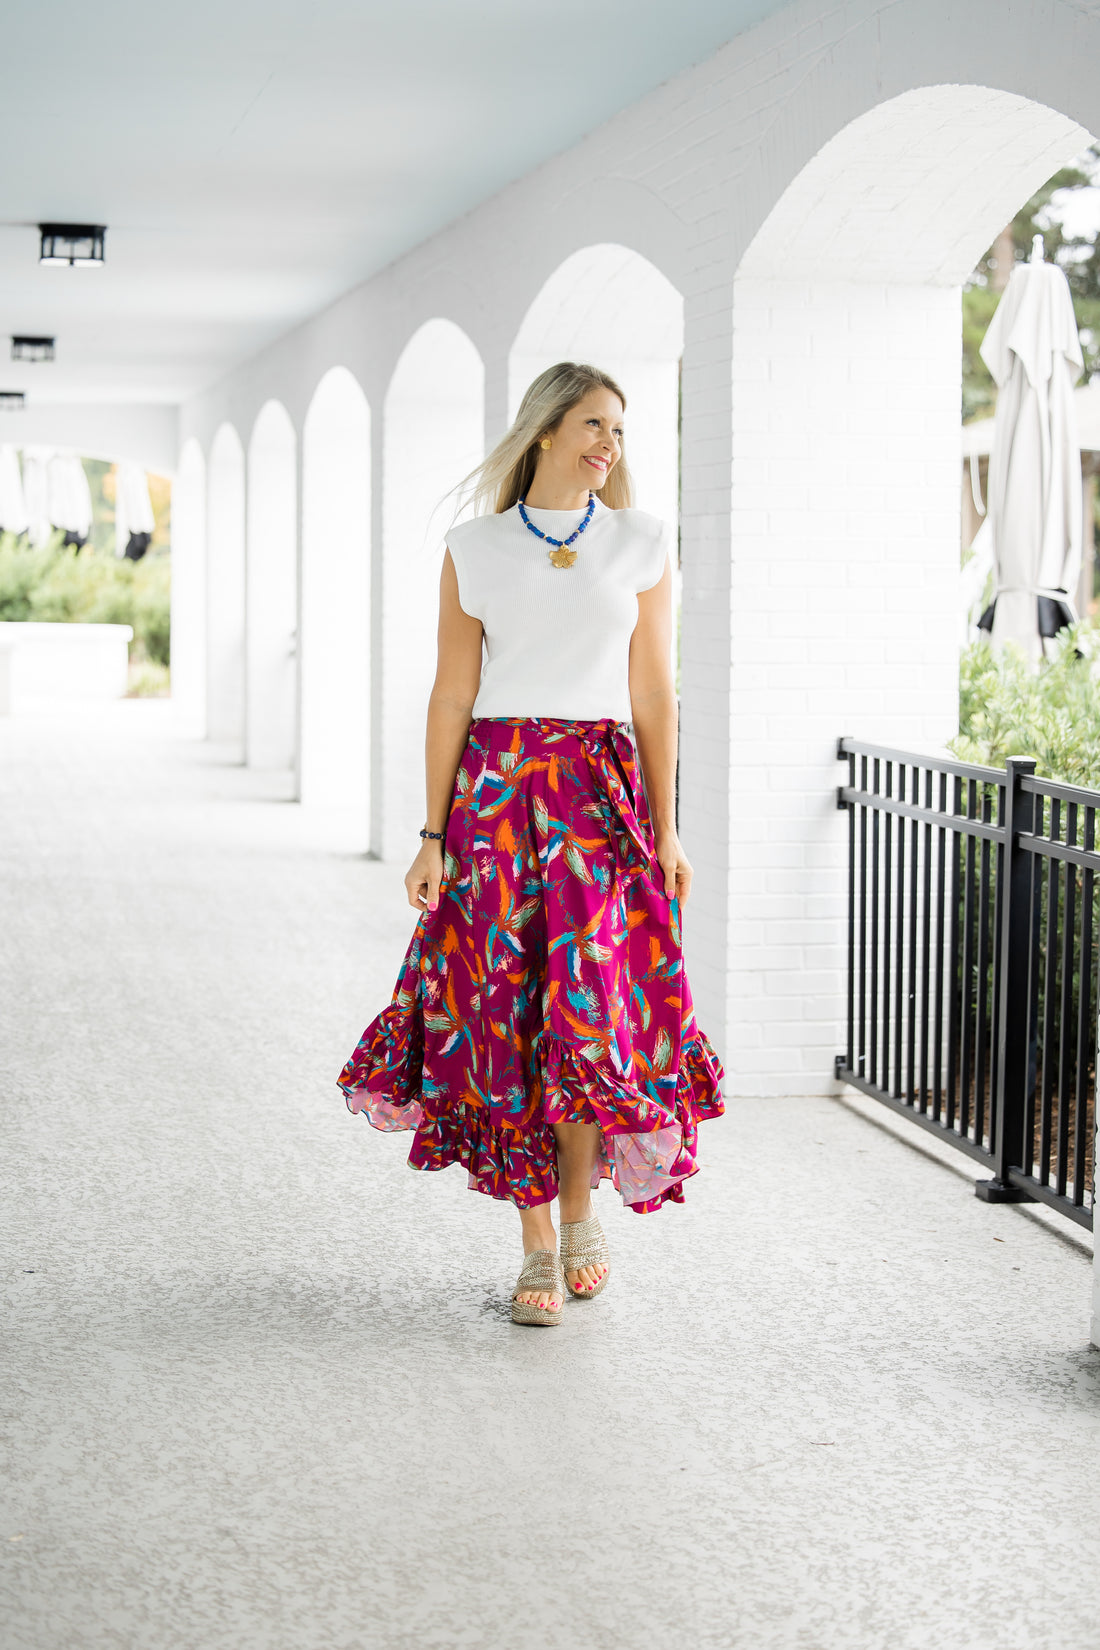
{"x":557,"y":640}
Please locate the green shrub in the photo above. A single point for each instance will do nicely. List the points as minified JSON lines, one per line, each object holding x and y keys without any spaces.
{"x":65,"y":586}
{"x":147,"y":680}
{"x":76,"y":588}
{"x":1053,"y":713}
{"x":20,"y":571}
{"x":152,"y":605}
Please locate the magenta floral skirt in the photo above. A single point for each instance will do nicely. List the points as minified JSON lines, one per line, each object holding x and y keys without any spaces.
{"x":548,"y":985}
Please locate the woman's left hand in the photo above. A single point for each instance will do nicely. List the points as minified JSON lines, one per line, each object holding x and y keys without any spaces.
{"x":674,"y":864}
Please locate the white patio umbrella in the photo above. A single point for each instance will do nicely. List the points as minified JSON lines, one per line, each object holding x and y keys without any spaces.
{"x":36,"y":492}
{"x":13,"y":506}
{"x":70,"y":497}
{"x":134,"y":523}
{"x":1034,"y":492}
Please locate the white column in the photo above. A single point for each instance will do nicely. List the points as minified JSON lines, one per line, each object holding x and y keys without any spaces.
{"x":225,"y":591}
{"x":189,"y":592}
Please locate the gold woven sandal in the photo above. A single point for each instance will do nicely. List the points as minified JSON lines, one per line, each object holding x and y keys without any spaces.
{"x":542,"y":1272}
{"x":583,"y":1244}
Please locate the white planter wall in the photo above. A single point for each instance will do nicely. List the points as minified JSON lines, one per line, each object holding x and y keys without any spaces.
{"x":62,"y":661}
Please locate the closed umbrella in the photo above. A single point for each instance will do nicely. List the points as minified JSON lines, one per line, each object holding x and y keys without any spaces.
{"x":1034,"y":495}
{"x":13,"y":506}
{"x":70,"y":498}
{"x":134,"y":522}
{"x":36,"y":492}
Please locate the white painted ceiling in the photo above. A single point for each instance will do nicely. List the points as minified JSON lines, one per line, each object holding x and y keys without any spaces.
{"x":253,"y":159}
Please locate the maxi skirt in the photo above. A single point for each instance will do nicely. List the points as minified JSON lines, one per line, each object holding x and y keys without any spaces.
{"x":548,"y":985}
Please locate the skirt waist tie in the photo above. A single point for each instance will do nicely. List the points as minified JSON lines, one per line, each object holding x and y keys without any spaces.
{"x":600,"y":742}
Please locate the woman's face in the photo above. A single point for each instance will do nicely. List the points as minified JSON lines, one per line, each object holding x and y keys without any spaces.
{"x":587,"y":444}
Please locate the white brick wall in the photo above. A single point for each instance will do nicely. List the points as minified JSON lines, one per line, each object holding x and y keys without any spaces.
{"x":871,"y":150}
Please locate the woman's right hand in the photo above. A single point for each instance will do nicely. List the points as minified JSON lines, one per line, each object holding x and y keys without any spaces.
{"x":424,"y":876}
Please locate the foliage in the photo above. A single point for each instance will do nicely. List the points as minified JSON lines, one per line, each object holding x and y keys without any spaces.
{"x":85,"y":587}
{"x":147,"y":680}
{"x":152,"y":594}
{"x":1053,"y":713}
{"x":979,"y":393}
{"x":1043,"y":214}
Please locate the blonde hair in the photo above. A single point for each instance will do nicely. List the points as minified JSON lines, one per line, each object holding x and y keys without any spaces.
{"x":504,"y":477}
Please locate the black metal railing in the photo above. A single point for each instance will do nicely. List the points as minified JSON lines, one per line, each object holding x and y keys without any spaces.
{"x":973,"y":904}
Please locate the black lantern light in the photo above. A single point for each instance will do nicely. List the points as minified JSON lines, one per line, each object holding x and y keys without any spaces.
{"x":12,"y":400}
{"x":72,"y":243}
{"x":26,"y":348}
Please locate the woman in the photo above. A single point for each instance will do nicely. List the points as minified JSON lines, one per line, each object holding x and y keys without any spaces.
{"x":541,"y":1032}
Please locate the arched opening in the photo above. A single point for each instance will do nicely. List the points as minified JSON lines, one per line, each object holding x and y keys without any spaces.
{"x":610,"y":306}
{"x":272,"y":591}
{"x":433,"y":436}
{"x":188,"y":621}
{"x":334,"y":654}
{"x":225,"y":590}
{"x":842,"y":619}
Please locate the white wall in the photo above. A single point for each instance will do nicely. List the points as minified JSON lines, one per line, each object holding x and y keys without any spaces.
{"x":980,"y":104}
{"x":148,"y":435}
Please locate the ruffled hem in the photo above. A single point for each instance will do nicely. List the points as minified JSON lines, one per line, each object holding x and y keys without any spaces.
{"x":647,"y":1145}
{"x":384,"y":1076}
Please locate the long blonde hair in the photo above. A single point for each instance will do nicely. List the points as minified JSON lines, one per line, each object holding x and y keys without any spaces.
{"x":504,"y":477}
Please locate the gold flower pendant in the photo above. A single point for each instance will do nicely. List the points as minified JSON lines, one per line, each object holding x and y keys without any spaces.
{"x":562,"y":557}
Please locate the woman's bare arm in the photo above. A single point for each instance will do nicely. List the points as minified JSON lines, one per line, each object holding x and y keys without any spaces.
{"x":653,"y":711}
{"x":458,"y":671}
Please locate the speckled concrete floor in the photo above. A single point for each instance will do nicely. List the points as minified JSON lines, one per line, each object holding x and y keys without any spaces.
{"x":262,"y":1391}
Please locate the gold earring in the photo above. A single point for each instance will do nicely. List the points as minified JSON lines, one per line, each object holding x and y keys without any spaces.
{"x":546,"y":443}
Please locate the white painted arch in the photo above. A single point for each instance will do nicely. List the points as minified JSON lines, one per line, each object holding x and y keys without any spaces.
{"x":845,"y":522}
{"x":608,"y":305}
{"x":335,"y":623}
{"x":225,"y":590}
{"x":189,"y":591}
{"x":433,"y":435}
{"x":271,"y":646}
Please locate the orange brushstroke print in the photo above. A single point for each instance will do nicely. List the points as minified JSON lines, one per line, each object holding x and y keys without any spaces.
{"x":548,"y":985}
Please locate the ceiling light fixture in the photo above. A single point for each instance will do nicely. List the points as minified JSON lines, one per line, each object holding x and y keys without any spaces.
{"x":79,"y":244}
{"x":26,"y":348}
{"x":12,"y":400}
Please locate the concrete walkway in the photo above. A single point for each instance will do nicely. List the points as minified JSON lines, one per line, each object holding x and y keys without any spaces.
{"x":262,"y":1389}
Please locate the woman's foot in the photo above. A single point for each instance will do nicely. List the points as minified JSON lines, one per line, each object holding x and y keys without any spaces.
{"x":538,"y":1233}
{"x":582,"y":1279}
{"x":578,"y":1146}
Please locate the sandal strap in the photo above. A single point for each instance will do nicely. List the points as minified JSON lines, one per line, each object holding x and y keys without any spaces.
{"x":542,"y":1272}
{"x":583,"y":1244}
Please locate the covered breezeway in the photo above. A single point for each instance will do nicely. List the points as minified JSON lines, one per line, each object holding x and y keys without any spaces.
{"x":266,"y":1393}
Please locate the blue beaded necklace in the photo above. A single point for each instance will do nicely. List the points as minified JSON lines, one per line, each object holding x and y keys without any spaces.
{"x":560,"y":555}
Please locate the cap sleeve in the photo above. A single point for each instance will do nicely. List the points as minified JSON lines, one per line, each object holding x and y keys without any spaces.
{"x":658,"y":549}
{"x":467,"y":598}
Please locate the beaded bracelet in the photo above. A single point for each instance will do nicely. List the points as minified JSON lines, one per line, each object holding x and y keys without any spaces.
{"x":436,"y":836}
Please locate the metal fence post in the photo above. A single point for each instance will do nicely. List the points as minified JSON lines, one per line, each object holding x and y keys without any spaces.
{"x":1013,"y":1008}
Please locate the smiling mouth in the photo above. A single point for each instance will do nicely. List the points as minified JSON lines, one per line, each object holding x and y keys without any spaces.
{"x":597,"y":463}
